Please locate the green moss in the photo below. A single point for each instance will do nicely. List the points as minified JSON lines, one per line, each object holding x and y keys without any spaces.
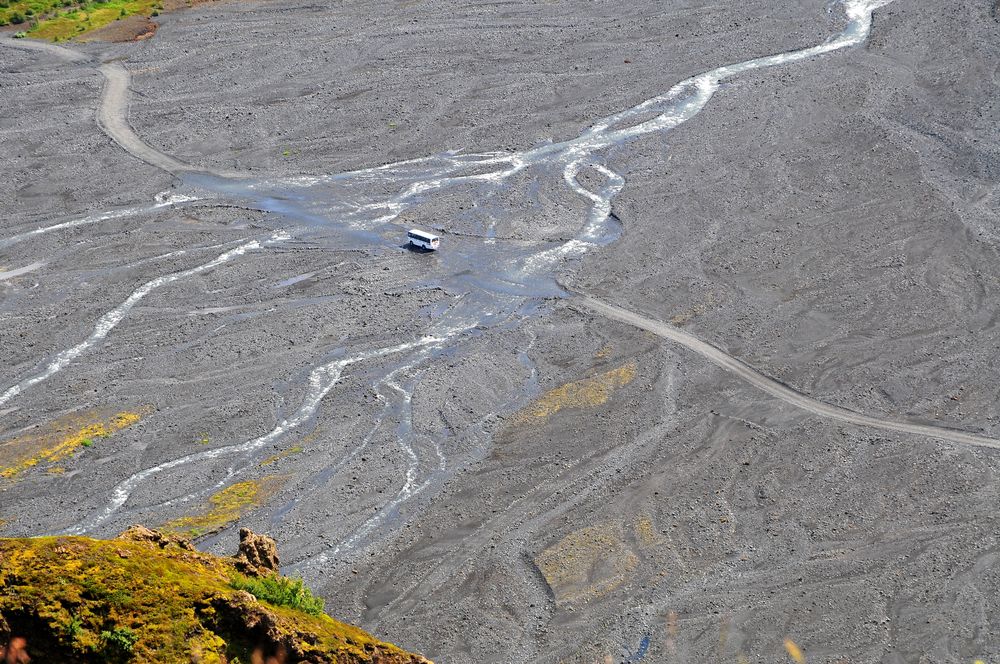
{"x":62,"y":19}
{"x":77,"y":598}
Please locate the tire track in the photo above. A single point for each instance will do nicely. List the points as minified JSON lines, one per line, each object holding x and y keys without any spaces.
{"x":57,"y":51}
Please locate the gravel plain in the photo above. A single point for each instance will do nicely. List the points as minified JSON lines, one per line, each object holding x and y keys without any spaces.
{"x":458,"y":457}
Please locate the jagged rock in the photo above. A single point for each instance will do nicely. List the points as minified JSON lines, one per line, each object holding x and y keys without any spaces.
{"x":139,"y":533}
{"x":258,"y":554}
{"x":241,"y":613}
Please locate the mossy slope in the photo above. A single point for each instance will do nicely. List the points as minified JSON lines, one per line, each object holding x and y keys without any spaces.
{"x":76,"y":599}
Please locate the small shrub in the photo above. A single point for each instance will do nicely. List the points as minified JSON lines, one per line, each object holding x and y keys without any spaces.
{"x":17,"y":18}
{"x":281,"y":591}
{"x":20,"y":35}
{"x":3,"y":21}
{"x":74,"y":628}
{"x":87,"y":442}
{"x":117,"y":644}
{"x":29,"y":12}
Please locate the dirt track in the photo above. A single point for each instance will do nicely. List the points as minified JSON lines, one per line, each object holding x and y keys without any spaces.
{"x":771,"y":386}
{"x":113,"y":118}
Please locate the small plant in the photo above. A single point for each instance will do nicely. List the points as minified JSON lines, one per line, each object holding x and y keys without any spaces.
{"x":281,"y":591}
{"x":117,"y":644}
{"x":20,"y":35}
{"x":17,"y":18}
{"x":74,"y":628}
{"x":87,"y":442}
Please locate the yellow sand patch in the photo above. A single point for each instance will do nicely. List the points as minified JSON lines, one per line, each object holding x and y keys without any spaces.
{"x":227,"y":505}
{"x":59,"y":440}
{"x":587,"y":563}
{"x":584,"y":393}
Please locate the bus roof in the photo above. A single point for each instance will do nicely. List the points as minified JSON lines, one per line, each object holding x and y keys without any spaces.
{"x":416,"y":232}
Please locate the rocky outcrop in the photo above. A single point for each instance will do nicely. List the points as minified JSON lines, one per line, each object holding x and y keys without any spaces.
{"x":139,"y":533}
{"x":148,"y":596}
{"x":242,"y":613}
{"x":258,"y":554}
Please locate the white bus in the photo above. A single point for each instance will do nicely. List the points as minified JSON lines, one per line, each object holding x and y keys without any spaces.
{"x":422,"y":239}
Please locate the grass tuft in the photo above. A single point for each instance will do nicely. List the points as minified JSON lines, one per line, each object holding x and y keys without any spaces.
{"x":280,"y":591}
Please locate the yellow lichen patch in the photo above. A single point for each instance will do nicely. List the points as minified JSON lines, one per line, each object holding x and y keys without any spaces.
{"x":696,"y":310}
{"x":584,"y":393}
{"x":60,"y":439}
{"x":587,"y":563}
{"x":645,"y":533}
{"x":227,"y":505}
{"x":794,"y":652}
{"x":281,"y":455}
{"x":604,"y":352}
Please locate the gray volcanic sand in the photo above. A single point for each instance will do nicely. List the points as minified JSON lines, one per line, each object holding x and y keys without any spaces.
{"x":832,"y":223}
